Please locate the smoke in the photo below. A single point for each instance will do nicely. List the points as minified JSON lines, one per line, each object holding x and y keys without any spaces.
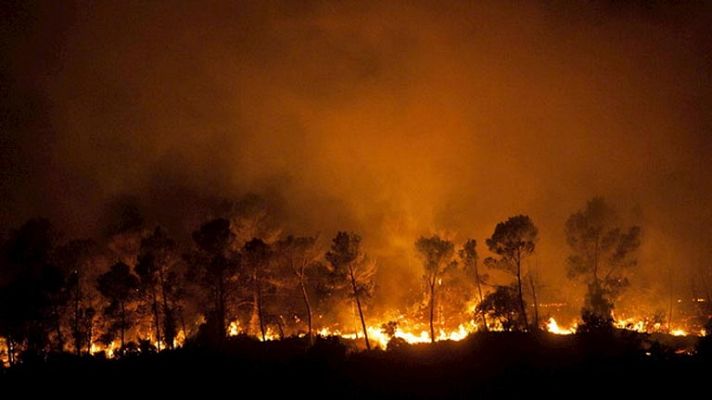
{"x":392,"y":119}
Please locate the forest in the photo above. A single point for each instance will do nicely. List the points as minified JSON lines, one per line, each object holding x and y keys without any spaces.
{"x":138,"y":290}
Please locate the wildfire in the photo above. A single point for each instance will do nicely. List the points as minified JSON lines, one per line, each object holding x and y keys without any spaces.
{"x":678,"y":332}
{"x":234,"y":328}
{"x":109,"y":350}
{"x":4,"y":356}
{"x":644,"y":325}
{"x":553,"y":327}
{"x":410,"y":332}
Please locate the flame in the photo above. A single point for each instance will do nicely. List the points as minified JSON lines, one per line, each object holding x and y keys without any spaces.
{"x":109,"y":350}
{"x":645,"y":325}
{"x":553,"y":327}
{"x":4,"y":352}
{"x":234,"y":328}
{"x":409,"y":331}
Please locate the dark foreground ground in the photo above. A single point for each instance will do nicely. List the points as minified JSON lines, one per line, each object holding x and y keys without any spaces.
{"x":494,"y":365}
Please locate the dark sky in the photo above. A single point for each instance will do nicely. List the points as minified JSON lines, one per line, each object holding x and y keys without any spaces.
{"x":393,"y":119}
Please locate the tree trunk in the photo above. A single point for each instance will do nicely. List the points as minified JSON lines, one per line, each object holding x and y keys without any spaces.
{"x":479,"y":291}
{"x":58,"y":328}
{"x":220,"y":311}
{"x":259,"y":311}
{"x":255,"y":323}
{"x":156,"y":317}
{"x":536,"y":304}
{"x":90,"y":334}
{"x":595,"y":263}
{"x":75,"y":325}
{"x":669,"y":322}
{"x":280,"y":326}
{"x":10,"y":351}
{"x":305,"y":297}
{"x":182,"y":323}
{"x":432,"y":309}
{"x":522,"y":307}
{"x":167,"y":312}
{"x":358,"y":305}
{"x":123,"y":323}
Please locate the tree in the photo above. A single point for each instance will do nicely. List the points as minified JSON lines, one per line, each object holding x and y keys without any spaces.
{"x":32,"y":291}
{"x":120,"y":287}
{"x":502,"y":306}
{"x":256,"y":257}
{"x":513,"y":240}
{"x":601,"y":253}
{"x":251,"y":217}
{"x":213,"y":266}
{"x":77,"y":259}
{"x":157,"y":257}
{"x":436,"y":254}
{"x":533,"y":288}
{"x":350,"y":264}
{"x":468,"y":256}
{"x":299,"y":255}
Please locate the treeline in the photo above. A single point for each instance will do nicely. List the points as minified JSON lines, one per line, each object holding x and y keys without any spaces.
{"x":145,"y":290}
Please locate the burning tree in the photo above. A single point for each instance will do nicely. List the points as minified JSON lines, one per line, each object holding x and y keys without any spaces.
{"x":350,"y":265}
{"x":256,"y":259}
{"x":601,"y":252}
{"x":78,"y":259}
{"x":213,"y":266}
{"x":502,"y":306}
{"x":468,"y":256}
{"x":436,"y":254}
{"x":119,"y":286}
{"x":299,"y":255}
{"x":156,"y":261}
{"x":513,"y":240}
{"x":250,"y":217}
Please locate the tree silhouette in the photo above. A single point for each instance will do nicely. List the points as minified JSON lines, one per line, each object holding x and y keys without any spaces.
{"x":120,"y":287}
{"x":299,"y":255}
{"x":256,"y":259}
{"x":436,"y":255}
{"x":32,"y":291}
{"x":468,"y":256}
{"x":213,"y":266}
{"x":513,"y":240}
{"x":601,"y":252}
{"x":77,"y":259}
{"x":350,"y":264}
{"x":250,"y":218}
{"x":157,"y":257}
{"x":502,"y":306}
